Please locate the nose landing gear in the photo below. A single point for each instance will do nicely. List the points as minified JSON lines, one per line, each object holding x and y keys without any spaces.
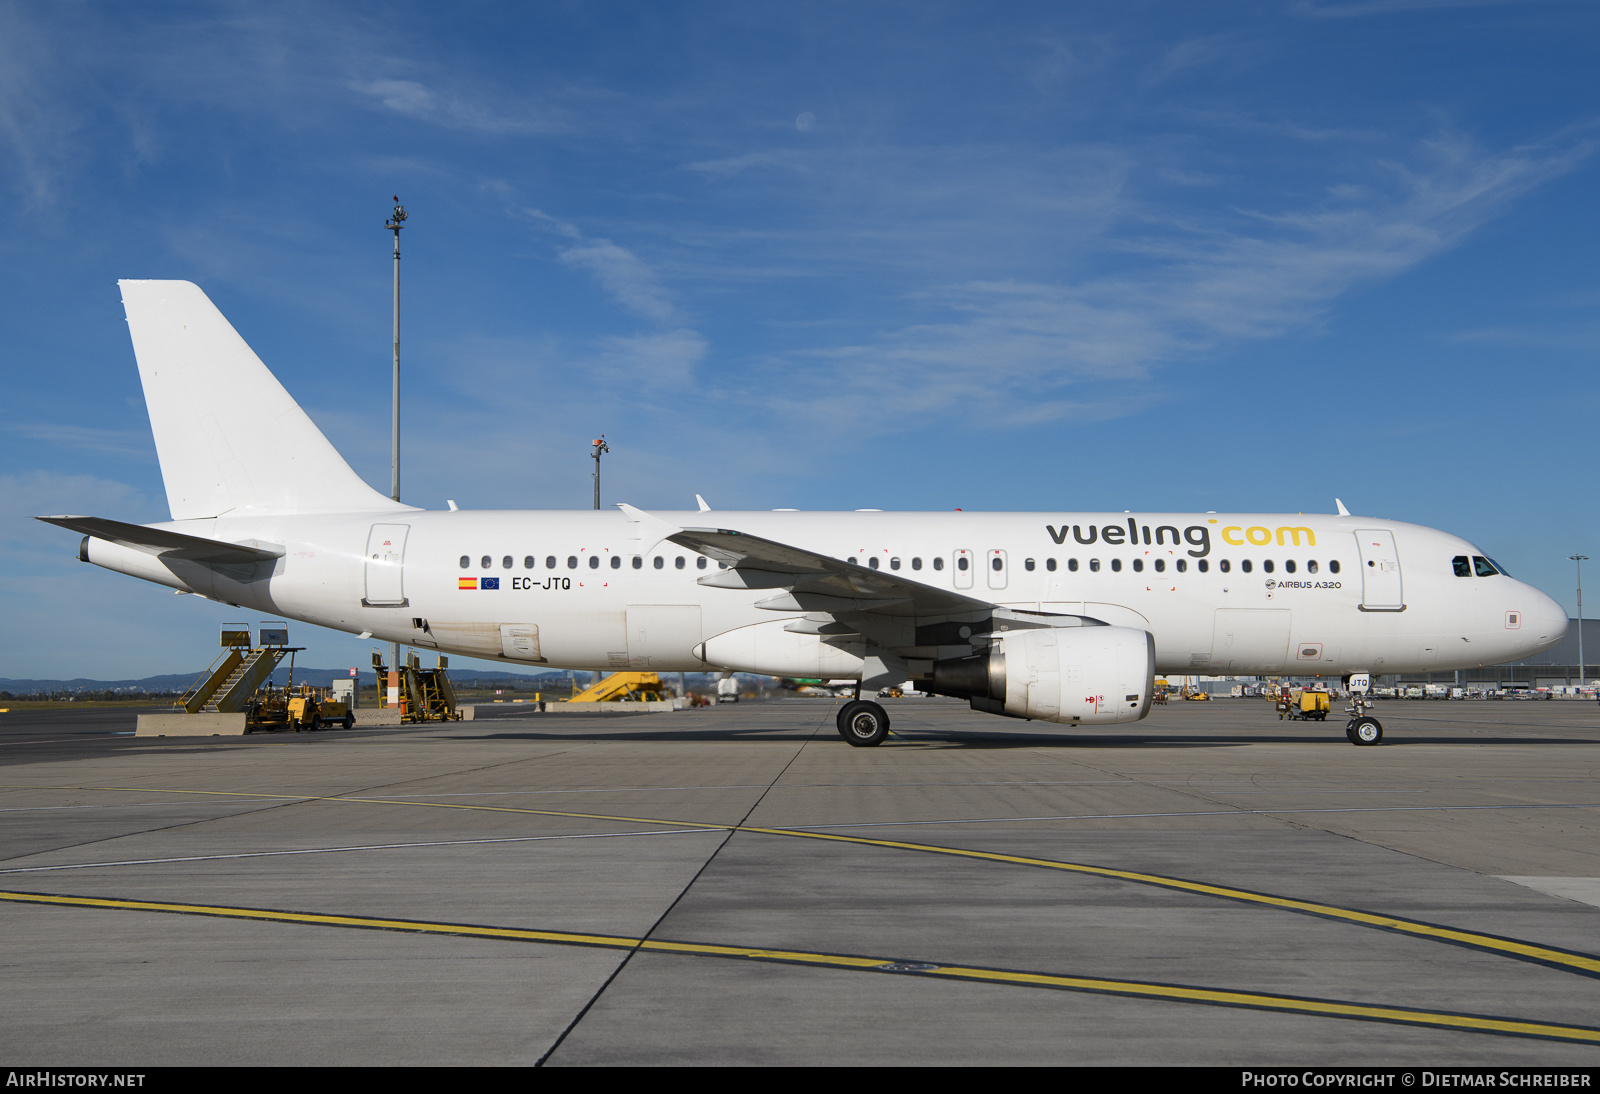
{"x":1363,"y":729}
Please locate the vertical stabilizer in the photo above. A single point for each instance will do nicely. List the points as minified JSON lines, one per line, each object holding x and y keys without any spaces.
{"x":229,"y":437}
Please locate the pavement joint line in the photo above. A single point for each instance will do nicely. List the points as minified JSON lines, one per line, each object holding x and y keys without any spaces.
{"x":1179,"y":993}
{"x":358,"y":847}
{"x":1574,"y":961}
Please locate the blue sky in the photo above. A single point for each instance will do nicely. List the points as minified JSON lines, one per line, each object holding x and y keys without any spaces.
{"x":1180,"y":256}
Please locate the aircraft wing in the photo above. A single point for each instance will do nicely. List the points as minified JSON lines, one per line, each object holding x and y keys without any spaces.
{"x":806,"y":581}
{"x":167,"y":544}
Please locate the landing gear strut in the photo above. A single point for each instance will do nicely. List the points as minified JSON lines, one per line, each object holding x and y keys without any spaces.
{"x":863,"y":723}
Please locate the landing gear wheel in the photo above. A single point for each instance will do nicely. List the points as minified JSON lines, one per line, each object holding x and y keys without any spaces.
{"x":1365,"y":731}
{"x":863,"y":724}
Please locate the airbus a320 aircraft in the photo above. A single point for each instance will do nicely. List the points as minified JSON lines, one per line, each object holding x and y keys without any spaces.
{"x":1062,"y":617}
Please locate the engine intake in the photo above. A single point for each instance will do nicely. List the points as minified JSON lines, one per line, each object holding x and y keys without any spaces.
{"x":1080,"y":676}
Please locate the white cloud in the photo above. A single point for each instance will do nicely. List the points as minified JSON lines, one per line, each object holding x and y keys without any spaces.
{"x":455,"y":110}
{"x":1008,"y":351}
{"x":621,"y":273}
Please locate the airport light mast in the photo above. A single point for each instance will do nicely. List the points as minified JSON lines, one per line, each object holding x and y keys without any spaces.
{"x":599,"y":447}
{"x":395,"y":222}
{"x":1579,"y":560}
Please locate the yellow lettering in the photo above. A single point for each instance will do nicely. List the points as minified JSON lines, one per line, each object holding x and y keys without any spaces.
{"x":1226,"y":538}
{"x":1266,"y":535}
{"x":1294,"y":534}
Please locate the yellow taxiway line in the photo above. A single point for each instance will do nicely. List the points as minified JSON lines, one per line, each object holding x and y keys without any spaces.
{"x":1326,"y":1008}
{"x":1567,"y":960}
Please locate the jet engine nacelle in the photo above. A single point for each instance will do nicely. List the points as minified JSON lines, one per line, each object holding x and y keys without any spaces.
{"x":1077,"y":675}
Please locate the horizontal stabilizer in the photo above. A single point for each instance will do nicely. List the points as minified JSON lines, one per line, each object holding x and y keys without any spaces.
{"x":159,"y":541}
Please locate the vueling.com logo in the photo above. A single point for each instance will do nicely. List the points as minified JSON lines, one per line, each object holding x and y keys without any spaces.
{"x":1258,"y":536}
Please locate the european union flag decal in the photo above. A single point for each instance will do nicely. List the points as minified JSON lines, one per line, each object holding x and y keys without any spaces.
{"x":488,"y":583}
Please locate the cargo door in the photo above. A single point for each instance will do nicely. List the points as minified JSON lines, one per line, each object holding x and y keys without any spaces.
{"x":1380,"y":571}
{"x":520,"y":641}
{"x":386,"y":553}
{"x":663,"y":636}
{"x":1249,"y":640}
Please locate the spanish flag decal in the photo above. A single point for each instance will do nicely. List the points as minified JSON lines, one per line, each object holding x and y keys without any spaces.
{"x":466,"y":583}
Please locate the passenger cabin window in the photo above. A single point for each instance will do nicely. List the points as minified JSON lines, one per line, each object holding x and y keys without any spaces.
{"x":638,"y":562}
{"x":505,"y":563}
{"x":1245,"y":565}
{"x":1203,"y":565}
{"x":466,"y":561}
{"x":961,"y":563}
{"x":872,"y":563}
{"x":572,"y":562}
{"x":1050,"y":564}
{"x":1027,"y":564}
{"x":1094,"y":565}
{"x":916,"y":562}
{"x":527,"y":562}
{"x":998,"y":564}
{"x":938,"y":563}
{"x":549,"y":562}
{"x":677,"y":563}
{"x":1161,"y":565}
{"x":1138,"y":565}
{"x":700,"y":563}
{"x":1224,"y":565}
{"x":658,"y":562}
{"x":1116,"y":565}
{"x":486,"y":562}
{"x":1288,"y":567}
{"x":594,"y":562}
{"x":616,"y":562}
{"x":1483,"y":567}
{"x":894,"y":564}
{"x":1072,"y":564}
{"x":1333,"y":566}
{"x":1266,"y":566}
{"x":1311,"y":567}
{"x":1183,"y":564}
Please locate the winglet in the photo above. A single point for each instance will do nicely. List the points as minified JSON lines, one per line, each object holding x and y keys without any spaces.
{"x":648,"y":527}
{"x":704,"y":508}
{"x":1343,"y":512}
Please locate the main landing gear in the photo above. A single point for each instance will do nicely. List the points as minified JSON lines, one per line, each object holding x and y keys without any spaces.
{"x":863,"y":723}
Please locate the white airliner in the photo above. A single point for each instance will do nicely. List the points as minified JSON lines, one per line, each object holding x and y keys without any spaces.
{"x":1063,"y":617}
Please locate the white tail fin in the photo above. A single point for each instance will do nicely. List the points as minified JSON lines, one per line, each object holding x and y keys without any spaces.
{"x":228,"y":435}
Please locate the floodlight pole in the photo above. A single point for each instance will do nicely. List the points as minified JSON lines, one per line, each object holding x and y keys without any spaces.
{"x":395,"y":222}
{"x":1579,"y":560}
{"x":599,"y":447}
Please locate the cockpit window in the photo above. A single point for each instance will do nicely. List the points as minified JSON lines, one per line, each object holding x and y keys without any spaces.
{"x":1483,"y":567}
{"x":1462,"y":566}
{"x":1499,"y":568}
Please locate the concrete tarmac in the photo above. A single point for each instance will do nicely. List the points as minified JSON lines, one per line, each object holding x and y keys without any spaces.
{"x":738,"y":886}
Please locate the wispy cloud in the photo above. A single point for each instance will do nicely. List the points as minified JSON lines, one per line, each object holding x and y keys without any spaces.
{"x":125,"y":444}
{"x":457,"y":110}
{"x":1010,"y":352}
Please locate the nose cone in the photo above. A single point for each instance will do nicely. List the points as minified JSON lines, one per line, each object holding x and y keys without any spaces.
{"x":1543,"y":620}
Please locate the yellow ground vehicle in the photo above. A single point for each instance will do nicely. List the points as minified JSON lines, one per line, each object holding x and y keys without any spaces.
{"x":300,"y":709}
{"x":1304,"y":705}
